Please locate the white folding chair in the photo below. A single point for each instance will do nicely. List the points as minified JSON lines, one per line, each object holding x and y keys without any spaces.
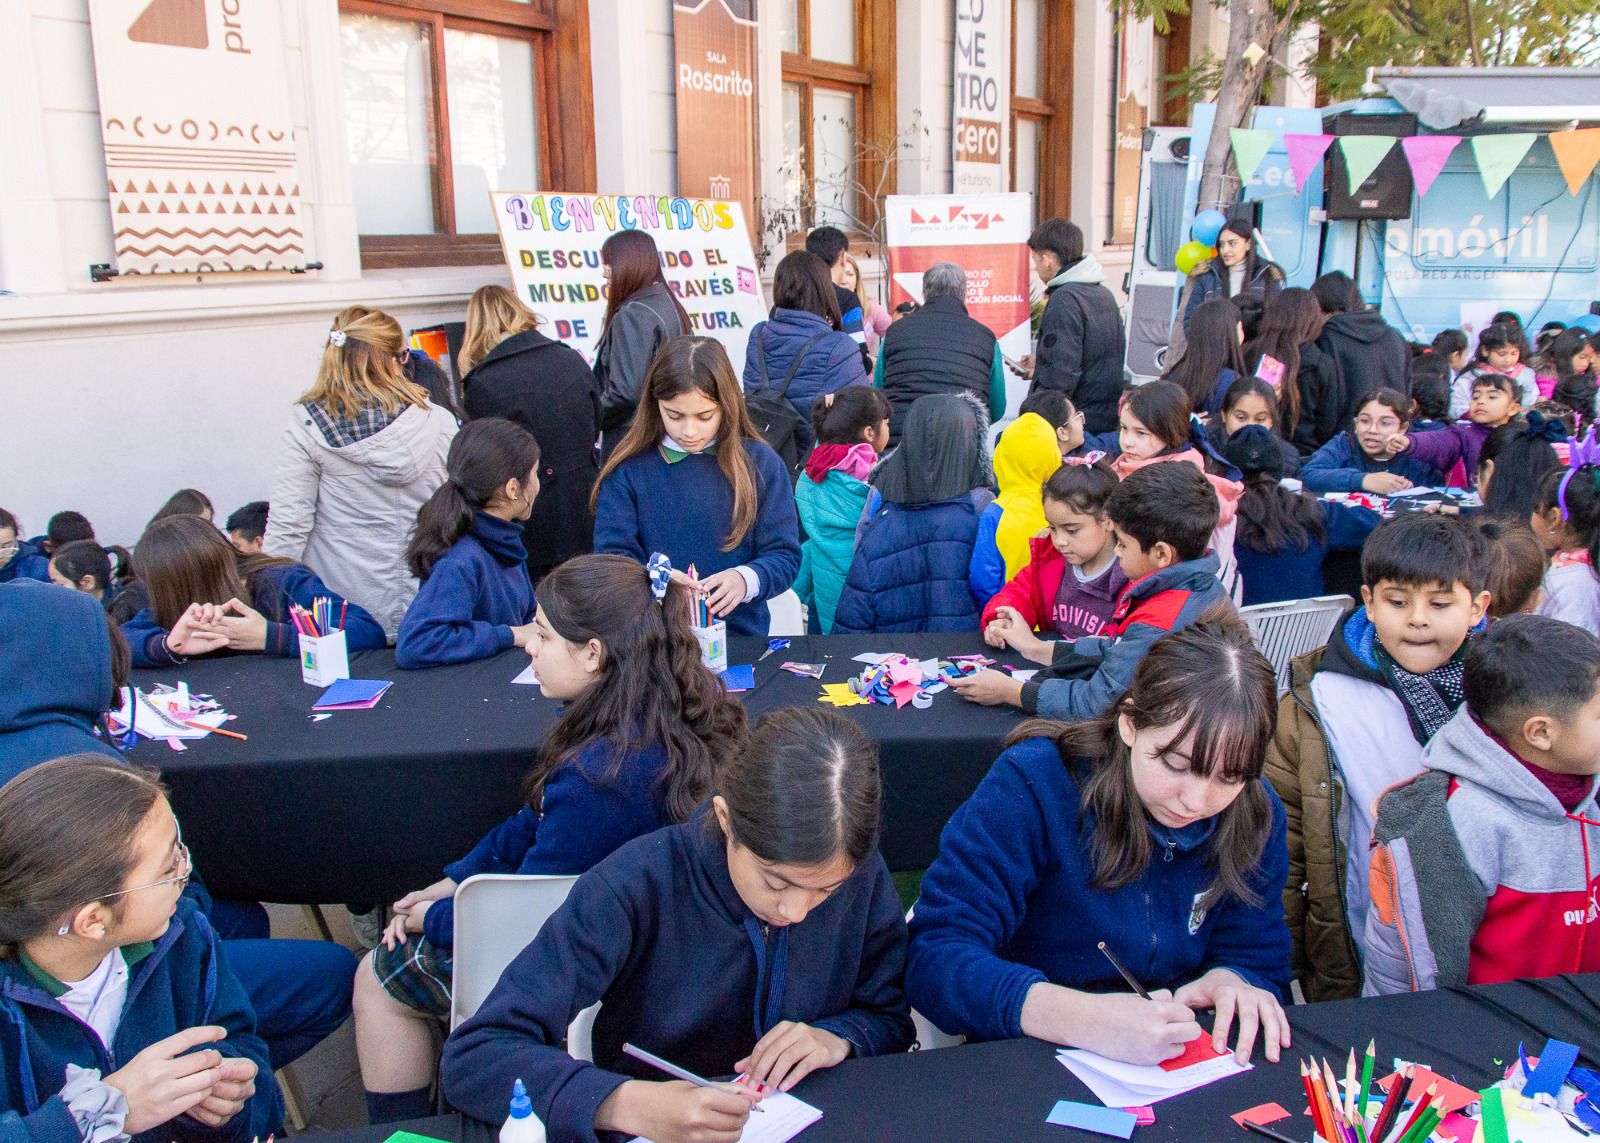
{"x":929,"y":1036}
{"x":497,"y":915}
{"x":1285,"y":631}
{"x":788,"y":614}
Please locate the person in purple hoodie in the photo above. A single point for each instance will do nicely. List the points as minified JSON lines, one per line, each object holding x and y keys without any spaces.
{"x":1494,"y":403}
{"x":476,"y":599}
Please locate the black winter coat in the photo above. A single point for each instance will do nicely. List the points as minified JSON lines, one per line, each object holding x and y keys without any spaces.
{"x":1081,"y":344}
{"x":547,"y":388}
{"x":1322,"y":400}
{"x":1371,"y":355}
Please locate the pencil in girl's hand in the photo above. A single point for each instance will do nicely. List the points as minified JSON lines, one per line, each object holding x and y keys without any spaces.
{"x":1121,"y":968}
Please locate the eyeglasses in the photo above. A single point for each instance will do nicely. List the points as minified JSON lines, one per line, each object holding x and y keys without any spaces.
{"x":7,"y":551}
{"x":180,"y":853}
{"x":1386,"y":425}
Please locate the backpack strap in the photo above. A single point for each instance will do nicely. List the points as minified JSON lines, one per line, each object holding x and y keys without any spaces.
{"x":761,"y":355}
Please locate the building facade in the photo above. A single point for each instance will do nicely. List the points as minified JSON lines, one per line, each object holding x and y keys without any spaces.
{"x":116,"y":390}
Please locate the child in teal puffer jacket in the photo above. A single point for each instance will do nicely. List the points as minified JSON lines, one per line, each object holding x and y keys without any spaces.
{"x":851,"y":427}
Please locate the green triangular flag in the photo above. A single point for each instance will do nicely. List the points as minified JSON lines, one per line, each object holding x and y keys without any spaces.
{"x":1362,"y":154}
{"x":1498,"y":156}
{"x":1249,"y":148}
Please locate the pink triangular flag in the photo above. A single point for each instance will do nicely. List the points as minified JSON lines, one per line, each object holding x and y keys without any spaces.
{"x":1427,"y":155}
{"x":1305,"y":152}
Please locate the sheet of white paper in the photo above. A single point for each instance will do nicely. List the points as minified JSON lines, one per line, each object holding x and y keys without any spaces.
{"x":527,"y":676}
{"x":873,"y":658}
{"x":1117,"y":1084}
{"x":154,"y":720}
{"x":930,"y":670}
{"x":782,"y":1117}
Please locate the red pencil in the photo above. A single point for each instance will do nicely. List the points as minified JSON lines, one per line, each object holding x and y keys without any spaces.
{"x":1311,"y":1100}
{"x":1420,"y":1107}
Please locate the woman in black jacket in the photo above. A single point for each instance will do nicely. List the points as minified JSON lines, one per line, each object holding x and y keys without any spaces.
{"x":1237,"y":272}
{"x":511,"y":370}
{"x":642,"y":315}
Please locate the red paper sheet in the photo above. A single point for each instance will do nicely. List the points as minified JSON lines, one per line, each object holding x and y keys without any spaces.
{"x":1196,"y":1051}
{"x":1451,"y":1096}
{"x":1262,"y":1113}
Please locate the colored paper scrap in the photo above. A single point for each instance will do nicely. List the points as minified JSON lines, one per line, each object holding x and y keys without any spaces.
{"x":527,"y":678}
{"x":1196,"y":1051}
{"x":1087,"y":1117}
{"x":840,"y":694}
{"x":411,"y":1137}
{"x":1551,"y":1072}
{"x":1427,"y":155}
{"x":1145,"y":1115}
{"x":352,"y":694}
{"x":804,"y":670}
{"x":1262,"y":1113}
{"x":1450,"y":1097}
{"x":903,"y":693}
{"x":1493,"y":1114}
{"x":740,"y":678}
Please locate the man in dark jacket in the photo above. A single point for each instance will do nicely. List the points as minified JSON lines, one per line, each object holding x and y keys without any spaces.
{"x":940,"y":349}
{"x":1081,"y":341}
{"x":1370,"y":354}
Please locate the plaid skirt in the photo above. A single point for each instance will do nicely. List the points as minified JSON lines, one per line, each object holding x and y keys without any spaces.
{"x":417,"y":974}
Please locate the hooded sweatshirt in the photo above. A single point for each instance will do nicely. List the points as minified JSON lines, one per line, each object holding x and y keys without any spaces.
{"x":45,"y":714}
{"x":1479,"y":874}
{"x":348,"y":509}
{"x":478,"y":591}
{"x":830,"y":497}
{"x":1370,"y":355}
{"x":1081,"y":342}
{"x":1027,"y":455}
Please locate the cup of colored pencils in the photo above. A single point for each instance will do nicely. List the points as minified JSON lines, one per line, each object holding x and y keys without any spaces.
{"x":324,"y":655}
{"x":1347,"y":1118}
{"x":711,"y":632}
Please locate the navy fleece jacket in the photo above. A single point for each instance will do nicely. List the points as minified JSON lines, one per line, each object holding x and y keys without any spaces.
{"x":477,"y":592}
{"x":592,"y":805}
{"x":1340,"y":466}
{"x":180,"y":981}
{"x":1009,"y":903}
{"x":45,"y":714}
{"x":682,"y":968}
{"x":684,"y":509}
{"x":27,"y":562}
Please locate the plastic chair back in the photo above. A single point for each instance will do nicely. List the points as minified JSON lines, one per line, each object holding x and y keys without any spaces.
{"x":497,"y":916}
{"x":1285,"y":631}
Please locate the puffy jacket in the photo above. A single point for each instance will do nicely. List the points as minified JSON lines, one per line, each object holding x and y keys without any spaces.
{"x":1209,"y":280}
{"x":645,"y":323}
{"x":832,"y":362}
{"x":830,"y":512}
{"x":548,"y":389}
{"x":910,"y":568}
{"x":1081,"y":344}
{"x":348,"y":511}
{"x":939,"y":349}
{"x":1371,"y":355}
{"x":1340,"y":466}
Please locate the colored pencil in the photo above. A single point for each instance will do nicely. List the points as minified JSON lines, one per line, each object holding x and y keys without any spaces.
{"x":1391,"y":1106}
{"x":1133,"y":982}
{"x":1350,"y":1088}
{"x":218,"y":730}
{"x":343,"y":608}
{"x":1366,"y":1078}
{"x":1311,"y":1099}
{"x":1419,"y":1108}
{"x":676,"y":1072}
{"x":1422,"y":1127}
{"x":1330,"y":1090}
{"x":1324,"y":1108}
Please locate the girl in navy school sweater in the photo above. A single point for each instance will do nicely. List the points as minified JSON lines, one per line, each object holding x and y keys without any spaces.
{"x":119,"y":1015}
{"x":1362,"y":459}
{"x":198,"y":584}
{"x":1148,"y":829}
{"x":761,"y":937}
{"x":645,"y":728}
{"x":694,"y":480}
{"x":476,"y":599}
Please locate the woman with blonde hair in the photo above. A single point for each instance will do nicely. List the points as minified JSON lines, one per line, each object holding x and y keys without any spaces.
{"x":875,"y":319}
{"x":511,"y":370}
{"x":364,"y":448}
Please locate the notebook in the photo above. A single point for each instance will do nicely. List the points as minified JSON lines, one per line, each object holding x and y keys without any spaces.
{"x":353,"y":694}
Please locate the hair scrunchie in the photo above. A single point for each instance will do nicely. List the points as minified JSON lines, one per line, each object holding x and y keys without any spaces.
{"x":1542,"y":428}
{"x":659,"y":569}
{"x":337,"y":338}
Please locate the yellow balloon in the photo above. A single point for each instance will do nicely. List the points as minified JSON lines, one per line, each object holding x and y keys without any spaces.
{"x":1190,"y":255}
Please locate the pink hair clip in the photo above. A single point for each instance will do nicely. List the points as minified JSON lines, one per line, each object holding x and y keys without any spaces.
{"x":1094,"y":457}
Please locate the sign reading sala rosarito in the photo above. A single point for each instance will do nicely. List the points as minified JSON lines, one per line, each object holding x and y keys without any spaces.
{"x":552,"y":247}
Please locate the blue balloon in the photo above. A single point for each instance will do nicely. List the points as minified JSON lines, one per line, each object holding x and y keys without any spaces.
{"x":1207,"y":227}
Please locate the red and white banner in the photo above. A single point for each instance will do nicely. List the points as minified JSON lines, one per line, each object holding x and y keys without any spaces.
{"x":986,"y":235}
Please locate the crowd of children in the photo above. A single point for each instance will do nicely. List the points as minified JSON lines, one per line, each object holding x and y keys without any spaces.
{"x":1351,"y":835}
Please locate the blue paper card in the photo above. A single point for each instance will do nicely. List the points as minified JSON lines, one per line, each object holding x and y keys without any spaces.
{"x":352,"y":694}
{"x":1087,"y":1117}
{"x":1554,"y":1063}
{"x":741,"y":678}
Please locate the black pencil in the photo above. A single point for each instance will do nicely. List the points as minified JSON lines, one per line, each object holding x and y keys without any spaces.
{"x":1133,"y":982}
{"x":1261,"y":1129}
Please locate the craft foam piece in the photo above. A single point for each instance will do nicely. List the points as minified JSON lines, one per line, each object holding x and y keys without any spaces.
{"x":840,"y":694}
{"x":903,"y":693}
{"x":1494,"y":1117}
{"x":1145,"y":1115}
{"x":411,"y":1137}
{"x":1196,"y":1051}
{"x":1551,"y":1072}
{"x":1087,"y":1117}
{"x":1262,"y":1113}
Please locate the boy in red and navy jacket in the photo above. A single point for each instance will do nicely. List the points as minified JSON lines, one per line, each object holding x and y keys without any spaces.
{"x":1164,"y":515}
{"x":1486,"y":867}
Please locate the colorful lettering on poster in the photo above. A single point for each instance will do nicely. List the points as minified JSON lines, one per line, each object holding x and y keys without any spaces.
{"x":581,"y":213}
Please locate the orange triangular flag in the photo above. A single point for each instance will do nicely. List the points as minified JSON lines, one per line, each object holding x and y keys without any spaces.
{"x":1577,"y":152}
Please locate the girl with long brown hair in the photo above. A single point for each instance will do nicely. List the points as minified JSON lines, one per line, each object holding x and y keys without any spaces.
{"x":693,"y":479}
{"x":1310,"y":392}
{"x":645,"y":728}
{"x":1147,"y":834}
{"x":642,"y":314}
{"x":207,"y":597}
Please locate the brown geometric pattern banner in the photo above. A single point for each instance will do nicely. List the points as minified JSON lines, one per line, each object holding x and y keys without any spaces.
{"x":202,"y":171}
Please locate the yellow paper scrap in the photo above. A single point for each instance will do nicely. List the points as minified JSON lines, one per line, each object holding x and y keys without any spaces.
{"x":1253,"y":53}
{"x":840,"y":694}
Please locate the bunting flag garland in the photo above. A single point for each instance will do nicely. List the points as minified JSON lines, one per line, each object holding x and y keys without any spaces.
{"x":1498,"y":156}
{"x":1249,"y":148}
{"x":1577,"y":152}
{"x":1362,"y":154}
{"x":1427,"y":155}
{"x":1305,"y":152}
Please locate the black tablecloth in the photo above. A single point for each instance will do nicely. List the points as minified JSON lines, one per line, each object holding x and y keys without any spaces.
{"x":368,"y":804}
{"x":1003,"y":1091}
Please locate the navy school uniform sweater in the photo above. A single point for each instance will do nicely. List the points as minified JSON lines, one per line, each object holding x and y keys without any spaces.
{"x":27,"y":562}
{"x":272,"y":590}
{"x":682,"y":968}
{"x":179,"y":981}
{"x":1340,"y":466}
{"x":683,"y":508}
{"x":1270,"y":577}
{"x":1008,"y":903}
{"x":592,"y":805}
{"x":477,"y":592}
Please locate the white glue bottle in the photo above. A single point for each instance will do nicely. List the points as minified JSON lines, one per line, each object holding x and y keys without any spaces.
{"x":521,"y":1125}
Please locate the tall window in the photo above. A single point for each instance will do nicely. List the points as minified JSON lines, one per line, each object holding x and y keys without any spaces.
{"x":446,"y":101}
{"x":838,"y":68}
{"x":1041,"y":103}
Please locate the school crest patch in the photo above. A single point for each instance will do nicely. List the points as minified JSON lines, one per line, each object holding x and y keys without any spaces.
{"x":1197,"y":914}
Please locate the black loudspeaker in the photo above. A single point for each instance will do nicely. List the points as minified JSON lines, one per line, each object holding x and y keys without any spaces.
{"x":1387,"y":191}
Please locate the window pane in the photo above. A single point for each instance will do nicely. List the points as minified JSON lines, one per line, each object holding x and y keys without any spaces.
{"x":1025,"y":146}
{"x":388,"y":103}
{"x":794,"y":170}
{"x":493,"y":134}
{"x":789,"y":25}
{"x":833,"y":158}
{"x":833,"y":30}
{"x":1029,"y":38}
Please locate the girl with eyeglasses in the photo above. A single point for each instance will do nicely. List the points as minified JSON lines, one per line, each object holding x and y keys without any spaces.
{"x":1366,"y":458}
{"x":19,"y":559}
{"x":120,"y":1013}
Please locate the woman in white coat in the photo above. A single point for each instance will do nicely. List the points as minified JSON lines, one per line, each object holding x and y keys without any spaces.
{"x":364,"y":448}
